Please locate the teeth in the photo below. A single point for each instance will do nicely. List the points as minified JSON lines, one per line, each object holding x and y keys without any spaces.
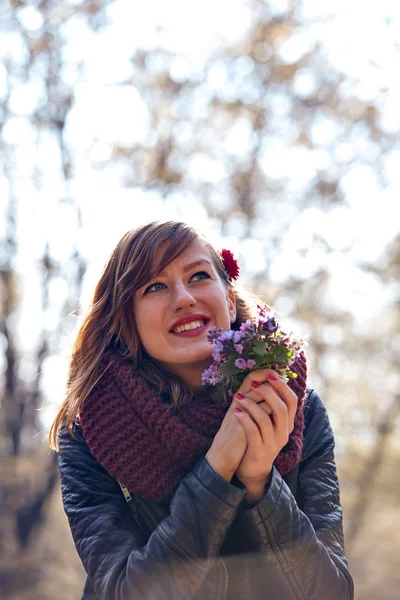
{"x":188,"y":326}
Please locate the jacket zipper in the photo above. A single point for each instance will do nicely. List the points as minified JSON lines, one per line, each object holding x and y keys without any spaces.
{"x":226,"y":578}
{"x":148,"y":518}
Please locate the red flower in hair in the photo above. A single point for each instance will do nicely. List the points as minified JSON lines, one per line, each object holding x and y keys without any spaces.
{"x":230,"y":264}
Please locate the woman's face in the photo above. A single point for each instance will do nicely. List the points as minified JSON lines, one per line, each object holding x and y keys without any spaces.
{"x":178,"y":340}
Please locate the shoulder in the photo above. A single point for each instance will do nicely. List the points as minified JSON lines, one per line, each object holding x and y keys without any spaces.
{"x":318,"y":434}
{"x":314,"y":408}
{"x":72,"y":441}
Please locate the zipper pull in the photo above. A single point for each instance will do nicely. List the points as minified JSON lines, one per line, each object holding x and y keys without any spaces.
{"x":125,"y":492}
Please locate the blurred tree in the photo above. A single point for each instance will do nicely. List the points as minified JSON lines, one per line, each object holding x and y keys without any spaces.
{"x":386,"y":416}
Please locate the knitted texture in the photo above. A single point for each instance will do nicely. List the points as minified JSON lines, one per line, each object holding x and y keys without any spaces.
{"x":150,"y":446}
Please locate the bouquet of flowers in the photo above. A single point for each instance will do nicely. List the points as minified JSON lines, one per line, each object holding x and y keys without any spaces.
{"x":258,"y":344}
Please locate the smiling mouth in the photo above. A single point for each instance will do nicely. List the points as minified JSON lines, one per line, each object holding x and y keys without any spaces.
{"x":189,"y":326}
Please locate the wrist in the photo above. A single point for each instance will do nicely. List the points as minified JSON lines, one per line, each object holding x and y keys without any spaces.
{"x":221,"y":470}
{"x":255,"y":493}
{"x":253,"y":496}
{"x":255,"y":490}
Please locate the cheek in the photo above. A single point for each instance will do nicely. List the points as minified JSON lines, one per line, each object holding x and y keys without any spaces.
{"x":223,"y":314}
{"x":144,"y":321}
{"x":148,"y":340}
{"x":226,"y":321}
{"x":150,"y":325}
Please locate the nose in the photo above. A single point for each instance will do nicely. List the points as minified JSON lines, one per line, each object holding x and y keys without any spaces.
{"x":182,"y":297}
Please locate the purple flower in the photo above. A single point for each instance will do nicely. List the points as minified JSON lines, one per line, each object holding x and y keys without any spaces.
{"x":270,"y":325}
{"x":213,"y":334}
{"x":211,"y":376}
{"x":259,"y":336}
{"x":240,"y":363}
{"x":205,"y":377}
{"x":226,"y":335}
{"x":216,"y":355}
{"x":238,"y":336}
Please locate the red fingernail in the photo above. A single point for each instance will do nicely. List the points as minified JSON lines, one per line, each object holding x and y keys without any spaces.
{"x":272,"y":377}
{"x":255,"y":384}
{"x":239,"y":396}
{"x":238,"y":410}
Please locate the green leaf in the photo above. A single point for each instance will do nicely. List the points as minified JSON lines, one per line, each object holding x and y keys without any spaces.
{"x":281,"y":354}
{"x":236,"y":383}
{"x":259,"y":359}
{"x":269,"y":357}
{"x":228,"y":367}
{"x":258,"y":347}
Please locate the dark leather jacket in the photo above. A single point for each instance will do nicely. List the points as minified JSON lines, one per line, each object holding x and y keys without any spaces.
{"x":207,"y":543}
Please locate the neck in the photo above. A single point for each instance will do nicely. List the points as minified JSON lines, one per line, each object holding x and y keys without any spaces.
{"x":189,"y":374}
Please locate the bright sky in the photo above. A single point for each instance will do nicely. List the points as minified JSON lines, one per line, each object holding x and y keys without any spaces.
{"x":194,"y":32}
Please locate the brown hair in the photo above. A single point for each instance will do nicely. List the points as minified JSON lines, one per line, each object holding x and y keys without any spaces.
{"x":110,"y":325}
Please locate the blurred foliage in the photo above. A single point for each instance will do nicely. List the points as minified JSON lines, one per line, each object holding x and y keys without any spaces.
{"x":265,"y":134}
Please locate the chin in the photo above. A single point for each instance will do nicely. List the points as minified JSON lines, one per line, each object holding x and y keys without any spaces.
{"x":195,"y":358}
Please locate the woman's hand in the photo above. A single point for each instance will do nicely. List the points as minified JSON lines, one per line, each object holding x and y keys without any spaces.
{"x":229,"y":445}
{"x":268,"y":408}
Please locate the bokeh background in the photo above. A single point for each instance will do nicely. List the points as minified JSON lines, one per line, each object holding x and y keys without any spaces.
{"x":274,"y":127}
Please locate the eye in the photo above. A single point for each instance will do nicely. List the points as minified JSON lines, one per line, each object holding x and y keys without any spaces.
{"x":199,"y":276}
{"x":154,"y":287}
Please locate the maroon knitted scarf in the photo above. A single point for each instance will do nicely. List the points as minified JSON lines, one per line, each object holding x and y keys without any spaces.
{"x":150,"y":446}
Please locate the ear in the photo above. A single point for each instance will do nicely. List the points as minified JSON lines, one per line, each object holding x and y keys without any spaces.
{"x":230,"y":297}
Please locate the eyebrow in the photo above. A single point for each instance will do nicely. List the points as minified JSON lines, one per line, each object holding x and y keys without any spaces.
{"x":190,"y":266}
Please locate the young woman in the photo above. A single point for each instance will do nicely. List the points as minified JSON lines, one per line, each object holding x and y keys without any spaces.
{"x":170,"y":491}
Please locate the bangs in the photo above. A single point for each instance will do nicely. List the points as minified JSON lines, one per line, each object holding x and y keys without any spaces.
{"x":173,"y":249}
{"x":176,"y":237}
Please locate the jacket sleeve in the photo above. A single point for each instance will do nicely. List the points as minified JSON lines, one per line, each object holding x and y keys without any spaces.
{"x":180,"y":551}
{"x":303,"y":547}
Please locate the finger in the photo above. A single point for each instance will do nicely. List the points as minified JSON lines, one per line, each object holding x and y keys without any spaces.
{"x":257,"y":375}
{"x":287,"y":395}
{"x":257,"y":398}
{"x":267,"y":393}
{"x":260,"y":375}
{"x":265,"y":406}
{"x":261,"y":419}
{"x":249,"y":425}
{"x":280,"y":413}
